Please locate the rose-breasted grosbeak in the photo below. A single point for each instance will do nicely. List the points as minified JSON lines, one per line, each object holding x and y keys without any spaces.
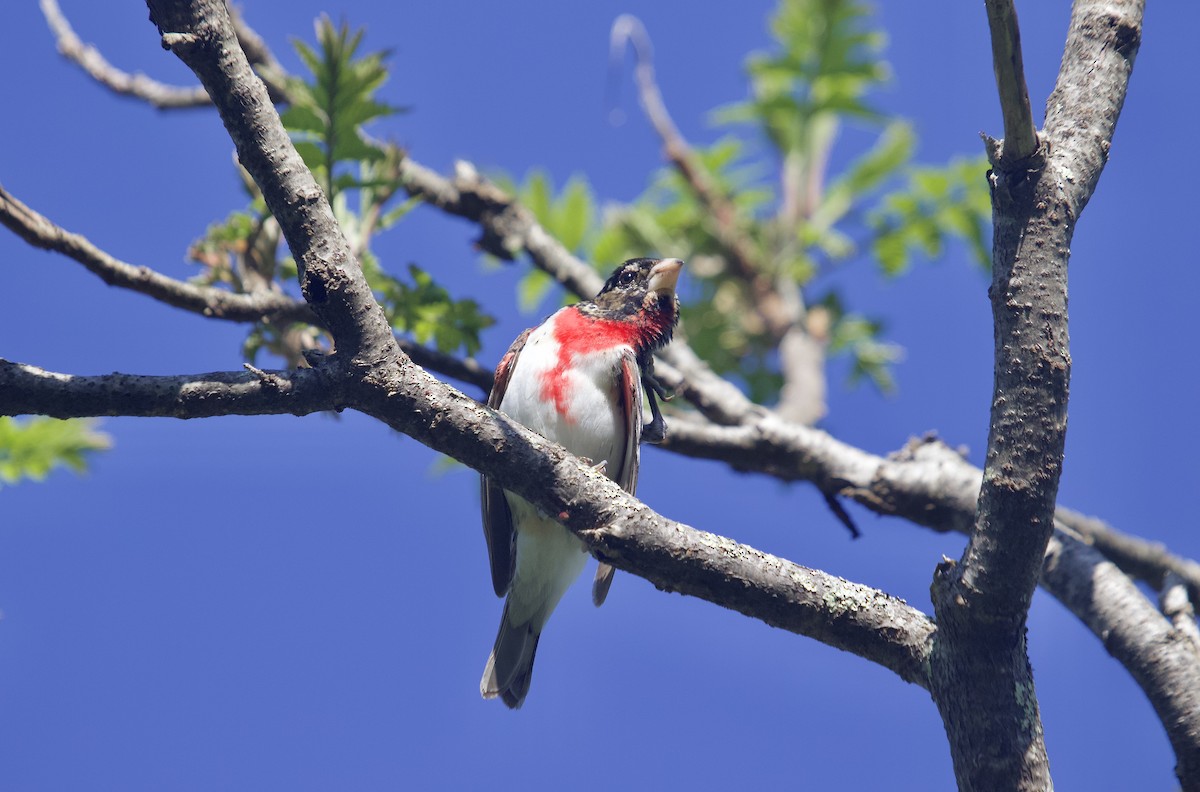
{"x":577,"y":379}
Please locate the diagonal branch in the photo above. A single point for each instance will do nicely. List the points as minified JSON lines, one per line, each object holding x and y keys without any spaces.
{"x":147,"y":89}
{"x":138,"y":86}
{"x":42,"y":233}
{"x":737,"y":245}
{"x":1020,"y":135}
{"x":208,"y":301}
{"x":614,"y":524}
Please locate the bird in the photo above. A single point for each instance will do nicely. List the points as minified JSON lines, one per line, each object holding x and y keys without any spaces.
{"x":577,"y":379}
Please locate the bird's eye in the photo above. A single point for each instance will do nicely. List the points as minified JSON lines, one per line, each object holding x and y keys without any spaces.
{"x":626,"y":277}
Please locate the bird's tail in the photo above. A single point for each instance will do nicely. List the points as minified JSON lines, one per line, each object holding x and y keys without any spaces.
{"x":510,"y":665}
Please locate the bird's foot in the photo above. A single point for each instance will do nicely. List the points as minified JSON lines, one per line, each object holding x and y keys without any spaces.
{"x":655,"y":431}
{"x":596,"y":466}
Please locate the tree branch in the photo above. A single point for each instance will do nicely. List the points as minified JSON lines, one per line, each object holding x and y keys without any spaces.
{"x":28,"y":390}
{"x":202,"y":35}
{"x":147,"y":89}
{"x":980,"y":673}
{"x":1161,"y":657}
{"x":930,"y":484}
{"x":768,"y":304}
{"x":1138,"y":558}
{"x":207,"y":301}
{"x":616,"y":526}
{"x":1020,"y":134}
{"x":138,"y":86}
{"x":624,"y":532}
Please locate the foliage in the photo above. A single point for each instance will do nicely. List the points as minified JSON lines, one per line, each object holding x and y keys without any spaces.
{"x":803,"y":226}
{"x":30,"y":449}
{"x":361,"y":176}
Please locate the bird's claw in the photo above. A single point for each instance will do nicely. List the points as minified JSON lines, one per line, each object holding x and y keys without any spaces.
{"x":655,"y":431}
{"x":596,"y":466}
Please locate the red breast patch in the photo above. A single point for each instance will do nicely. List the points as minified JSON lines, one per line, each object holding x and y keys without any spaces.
{"x":576,"y":335}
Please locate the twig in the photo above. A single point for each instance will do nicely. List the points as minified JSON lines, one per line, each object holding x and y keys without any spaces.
{"x":147,"y":89}
{"x":628,"y":29}
{"x":138,"y":86}
{"x":41,"y":232}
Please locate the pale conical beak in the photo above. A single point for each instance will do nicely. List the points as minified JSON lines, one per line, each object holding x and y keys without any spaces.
{"x":663,"y":277}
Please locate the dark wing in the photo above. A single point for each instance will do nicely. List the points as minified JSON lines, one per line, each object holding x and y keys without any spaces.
{"x":629,"y":400}
{"x":497,"y":520}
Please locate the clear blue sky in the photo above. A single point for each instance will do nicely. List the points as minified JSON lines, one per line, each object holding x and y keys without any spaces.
{"x":302,"y":604}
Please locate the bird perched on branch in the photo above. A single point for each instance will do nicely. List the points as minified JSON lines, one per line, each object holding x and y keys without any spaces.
{"x":577,"y":379}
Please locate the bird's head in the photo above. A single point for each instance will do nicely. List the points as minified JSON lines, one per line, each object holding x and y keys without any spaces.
{"x":641,"y":291}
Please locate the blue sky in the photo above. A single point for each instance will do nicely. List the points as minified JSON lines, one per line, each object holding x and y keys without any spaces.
{"x":285,"y":603}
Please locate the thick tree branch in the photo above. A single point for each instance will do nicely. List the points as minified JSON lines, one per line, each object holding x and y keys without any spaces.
{"x":1082,"y":111}
{"x":615,"y":525}
{"x":26,"y":390}
{"x":625,"y":533}
{"x":930,"y":484}
{"x":1020,"y":134}
{"x":202,"y":35}
{"x":980,"y":673}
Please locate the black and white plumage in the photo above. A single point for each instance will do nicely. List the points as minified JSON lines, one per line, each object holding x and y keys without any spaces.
{"x":576,"y":379}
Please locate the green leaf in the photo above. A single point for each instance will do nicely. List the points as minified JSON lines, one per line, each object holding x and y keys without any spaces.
{"x":329,"y":110}
{"x":935,"y":206}
{"x":30,"y":449}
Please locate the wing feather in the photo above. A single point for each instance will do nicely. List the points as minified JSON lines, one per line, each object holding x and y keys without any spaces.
{"x":497,"y":519}
{"x":629,"y":400}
